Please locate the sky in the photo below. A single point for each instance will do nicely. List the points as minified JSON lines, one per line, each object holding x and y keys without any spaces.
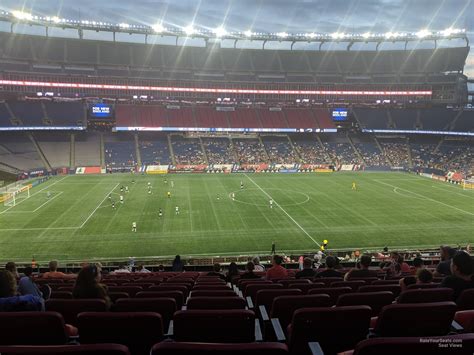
{"x":323,"y":16}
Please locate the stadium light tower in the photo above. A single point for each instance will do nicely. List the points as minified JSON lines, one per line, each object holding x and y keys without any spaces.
{"x":248,"y":33}
{"x":220,"y":32}
{"x":189,"y":30}
{"x":158,"y":28}
{"x":423,"y":33}
{"x":21,"y":15}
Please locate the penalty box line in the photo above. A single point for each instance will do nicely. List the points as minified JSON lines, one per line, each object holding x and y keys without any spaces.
{"x":284,"y":211}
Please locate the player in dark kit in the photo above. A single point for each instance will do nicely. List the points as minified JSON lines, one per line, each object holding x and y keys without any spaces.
{"x":160,"y":213}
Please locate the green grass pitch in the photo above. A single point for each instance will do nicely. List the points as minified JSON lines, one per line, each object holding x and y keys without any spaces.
{"x":77,"y":222}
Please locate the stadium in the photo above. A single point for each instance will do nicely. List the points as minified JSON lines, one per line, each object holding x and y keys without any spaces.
{"x":329,"y":167}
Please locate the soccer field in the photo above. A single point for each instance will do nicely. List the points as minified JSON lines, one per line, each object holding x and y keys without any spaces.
{"x":77,"y":221}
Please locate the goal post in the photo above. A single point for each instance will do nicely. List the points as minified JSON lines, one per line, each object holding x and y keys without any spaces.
{"x":468,"y":184}
{"x":14,"y":195}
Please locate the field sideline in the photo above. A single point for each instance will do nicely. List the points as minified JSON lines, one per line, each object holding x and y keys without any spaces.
{"x":77,"y":222}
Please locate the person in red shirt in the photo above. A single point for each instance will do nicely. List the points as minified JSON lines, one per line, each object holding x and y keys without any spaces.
{"x":277,"y":271}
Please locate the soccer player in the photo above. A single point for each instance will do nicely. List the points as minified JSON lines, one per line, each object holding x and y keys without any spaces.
{"x":149,"y":183}
{"x":354,"y":186}
{"x":160,"y":213}
{"x":121,"y":199}
{"x":233,"y":196}
{"x":177,"y":210}
{"x":241,"y":184}
{"x":110,"y":197}
{"x":126,"y":189}
{"x":48,"y":195}
{"x":172,"y":183}
{"x":134,"y":226}
{"x":271,"y":203}
{"x":169,"y":194}
{"x":113,"y":205}
{"x":218,"y":197}
{"x":149,"y":190}
{"x":166,"y":181}
{"x":121,"y":188}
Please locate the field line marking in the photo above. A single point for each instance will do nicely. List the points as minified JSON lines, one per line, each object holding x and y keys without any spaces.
{"x":51,"y":199}
{"x":37,"y":192}
{"x":278,"y":205}
{"x":427,"y":198}
{"x":101,"y":202}
{"x":457,"y":193}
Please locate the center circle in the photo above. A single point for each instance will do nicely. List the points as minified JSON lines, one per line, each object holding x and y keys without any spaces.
{"x":255,"y":196}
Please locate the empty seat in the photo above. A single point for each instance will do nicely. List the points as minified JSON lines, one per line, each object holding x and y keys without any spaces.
{"x":32,"y":328}
{"x":426,"y":295}
{"x":422,"y":286}
{"x":287,"y":282}
{"x":265,"y":297}
{"x":375,"y":300}
{"x":211,"y":287}
{"x":92,"y":349}
{"x":139,"y":331}
{"x":335,"y":328}
{"x":466,"y":320}
{"x":143,"y":285}
{"x":385,"y":282}
{"x":171,"y":287}
{"x":176,"y":295}
{"x":212,"y":293}
{"x":453,"y":344}
{"x":218,"y":326}
{"x":423,"y":319}
{"x":251,"y":290}
{"x":395,"y":289}
{"x":69,"y":309}
{"x":305,"y":287}
{"x":216,"y":303}
{"x":131,"y":290}
{"x":328,"y":280}
{"x":164,"y":306}
{"x":466,"y":299}
{"x":333,"y":292}
{"x":61,"y":294}
{"x":185,"y":348}
{"x":114,"y":296}
{"x":242,"y":283}
{"x":354,"y":284}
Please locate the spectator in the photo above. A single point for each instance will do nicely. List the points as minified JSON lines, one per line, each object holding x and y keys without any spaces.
{"x":88,"y":285}
{"x":249,"y":273}
{"x":232,"y":272}
{"x":11,"y":266}
{"x":123,"y":269}
{"x":423,"y":276}
{"x":53,"y":272}
{"x":307,"y":271}
{"x":317,"y":259}
{"x":362,"y":270}
{"x":161,"y":268}
{"x":216,"y":271}
{"x":277,"y":271}
{"x":404,"y":267}
{"x":444,"y":266}
{"x":331,"y":262}
{"x":177,"y":264}
{"x":258,"y":266}
{"x":417,"y":265}
{"x":11,"y":302}
{"x":461,"y":277}
{"x":142,"y":269}
{"x":26,"y":285}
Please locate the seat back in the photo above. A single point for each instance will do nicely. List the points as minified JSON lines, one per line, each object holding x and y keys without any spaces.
{"x":176,"y":295}
{"x":61,"y":294}
{"x":354,"y":284}
{"x":92,"y":349}
{"x":184,"y":348}
{"x":336,"y":329}
{"x":131,"y":290}
{"x":423,"y":319}
{"x":423,"y":286}
{"x":69,"y":309}
{"x":251,"y":289}
{"x":216,"y":303}
{"x":385,"y":282}
{"x":266,"y":297}
{"x":211,"y":287}
{"x":171,"y":287}
{"x":216,"y":326}
{"x":328,"y":280}
{"x":139,"y":331}
{"x":242,"y":283}
{"x":415,"y":345}
{"x":212,"y":293}
{"x":466,"y":299}
{"x":305,"y":287}
{"x":287,"y":282}
{"x":114,"y":296}
{"x":395,"y":289}
{"x":283,"y":307}
{"x":333,"y":292}
{"x":426,"y":295}
{"x":32,"y":328}
{"x":164,"y":306}
{"x":375,"y":300}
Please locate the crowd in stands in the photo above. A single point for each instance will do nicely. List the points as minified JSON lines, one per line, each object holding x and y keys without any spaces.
{"x":341,"y":153}
{"x":188,"y":151}
{"x":311,"y":152}
{"x":280,"y":151}
{"x":249,"y":151}
{"x":219,"y":151}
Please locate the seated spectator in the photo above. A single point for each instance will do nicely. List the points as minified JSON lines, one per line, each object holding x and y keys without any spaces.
{"x":177,"y":264}
{"x":26,"y":285}
{"x":53,"y":272}
{"x":277,"y":271}
{"x":249,"y":273}
{"x":331,"y":262}
{"x":161,"y":268}
{"x":417,"y":265}
{"x":444,"y":266}
{"x":258,"y":266}
{"x":141,"y":268}
{"x":88,"y":285}
{"x":233,"y":271}
{"x":11,"y":266}
{"x":11,"y":302}
{"x":307,"y":271}
{"x":216,"y":271}
{"x":423,"y":276}
{"x":123,"y":269}
{"x":404,"y":267}
{"x":362,"y":269}
{"x":461,"y":277}
{"x":317,"y":259}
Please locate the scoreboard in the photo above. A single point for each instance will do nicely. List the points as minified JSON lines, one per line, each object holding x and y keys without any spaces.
{"x":340,"y":114}
{"x":101,"y":111}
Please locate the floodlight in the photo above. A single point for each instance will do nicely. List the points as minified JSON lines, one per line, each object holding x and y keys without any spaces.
{"x":337,"y":35}
{"x":248,"y":33}
{"x":282,"y":34}
{"x":158,"y":27}
{"x":22,"y":15}
{"x":220,"y":31}
{"x":366,"y":35}
{"x":189,"y":30}
{"x":423,"y":33}
{"x":124,"y":25}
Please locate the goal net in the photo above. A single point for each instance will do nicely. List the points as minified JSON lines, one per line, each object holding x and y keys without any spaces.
{"x":14,"y":195}
{"x":468,"y":184}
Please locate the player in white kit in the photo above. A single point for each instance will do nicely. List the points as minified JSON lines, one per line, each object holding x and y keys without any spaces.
{"x":177,"y":210}
{"x":134,"y":226}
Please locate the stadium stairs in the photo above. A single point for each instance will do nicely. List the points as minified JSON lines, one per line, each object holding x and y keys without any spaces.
{"x":170,"y":147}
{"x":40,"y":152}
{"x":137,"y":149}
{"x":72,"y":152}
{"x":361,"y":159}
{"x":382,"y":151}
{"x":295,"y":150}
{"x":267,"y":156}
{"x":204,"y":153}
{"x":410,"y":157}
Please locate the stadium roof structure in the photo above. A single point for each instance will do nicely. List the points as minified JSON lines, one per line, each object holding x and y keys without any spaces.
{"x":19,"y":17}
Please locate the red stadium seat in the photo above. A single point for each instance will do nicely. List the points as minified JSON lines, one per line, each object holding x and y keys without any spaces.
{"x":69,"y":309}
{"x":354,"y":284}
{"x":202,"y":287}
{"x":305,"y":287}
{"x":164,"y":306}
{"x":218,"y":326}
{"x":185,"y":348}
{"x":328,"y":280}
{"x":466,"y":300}
{"x":385,"y":282}
{"x":216,"y":303}
{"x":395,"y":289}
{"x":375,"y":300}
{"x":265,"y":297}
{"x":61,"y":294}
{"x":426,"y":295}
{"x":171,"y":287}
{"x":335,"y":328}
{"x":139,"y":331}
{"x":93,"y":349}
{"x":287,"y":282}
{"x":251,"y":290}
{"x":176,"y":295}
{"x":423,"y":319}
{"x":131,"y":290}
{"x":333,"y":292}
{"x":213,"y":293}
{"x":466,"y":320}
{"x":32,"y":328}
{"x":114,"y":296}
{"x":423,"y":286}
{"x":143,"y":285}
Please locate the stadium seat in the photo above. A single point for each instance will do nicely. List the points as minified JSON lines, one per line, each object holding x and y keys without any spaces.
{"x":61,"y":294}
{"x":32,"y":328}
{"x":185,"y":348}
{"x":422,"y":286}
{"x":384,"y":282}
{"x":287,"y":282}
{"x":265,"y":297}
{"x":354,"y":284}
{"x":242,"y":283}
{"x":131,"y":290}
{"x":69,"y":309}
{"x":395,"y":289}
{"x":328,"y":280}
{"x":114,"y":296}
{"x":462,"y":344}
{"x":217,"y":326}
{"x":305,"y":287}
{"x":92,"y":349}
{"x":466,"y":300}
{"x":216,"y":303}
{"x":176,"y":295}
{"x":375,"y":300}
{"x":426,"y":295}
{"x":251,"y":290}
{"x":423,"y":319}
{"x":333,"y":292}
{"x":466,"y":320}
{"x":335,"y":328}
{"x":171,"y":287}
{"x":164,"y":306}
{"x":213,"y":293}
{"x":143,"y":285}
{"x":139,"y":331}
{"x":210,"y":288}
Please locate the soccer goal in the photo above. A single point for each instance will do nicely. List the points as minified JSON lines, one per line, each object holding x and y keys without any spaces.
{"x":15,"y":194}
{"x":468,"y":184}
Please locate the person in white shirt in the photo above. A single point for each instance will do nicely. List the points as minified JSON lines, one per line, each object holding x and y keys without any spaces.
{"x":121,"y":199}
{"x":177,"y":210}
{"x":257,"y":265}
{"x":134,"y":226}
